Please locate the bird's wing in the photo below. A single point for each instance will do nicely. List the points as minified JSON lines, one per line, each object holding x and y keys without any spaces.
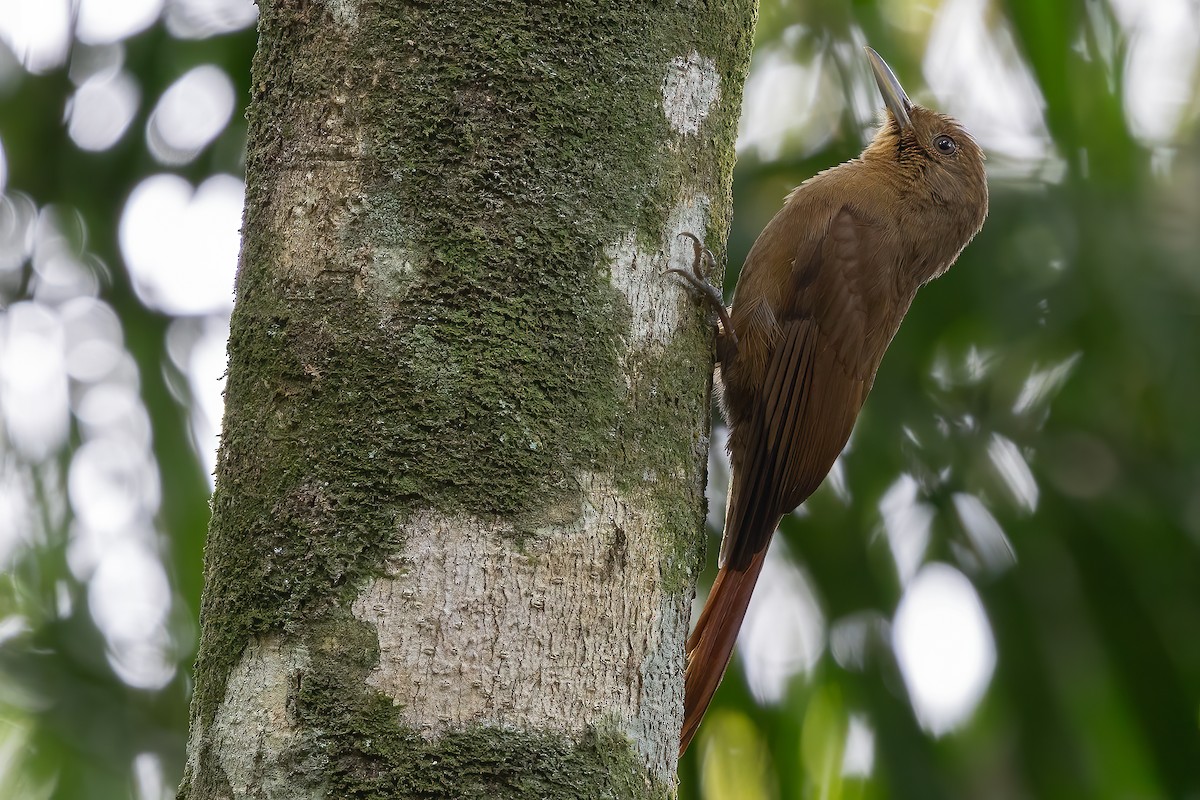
{"x":816,"y":379}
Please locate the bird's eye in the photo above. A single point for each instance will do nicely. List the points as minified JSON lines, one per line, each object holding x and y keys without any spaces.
{"x":945,"y":144}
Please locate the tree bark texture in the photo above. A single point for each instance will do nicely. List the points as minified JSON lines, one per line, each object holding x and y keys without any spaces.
{"x":459,"y":506}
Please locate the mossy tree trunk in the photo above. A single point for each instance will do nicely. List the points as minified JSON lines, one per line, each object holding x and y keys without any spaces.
{"x":459,"y":500}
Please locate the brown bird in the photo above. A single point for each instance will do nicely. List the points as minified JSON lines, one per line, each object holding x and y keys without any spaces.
{"x":820,"y":297}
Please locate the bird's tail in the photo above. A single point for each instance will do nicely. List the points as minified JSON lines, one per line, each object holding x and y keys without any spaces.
{"x":711,"y":643}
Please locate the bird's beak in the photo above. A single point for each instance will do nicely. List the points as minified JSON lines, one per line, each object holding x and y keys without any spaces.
{"x":893,"y":93}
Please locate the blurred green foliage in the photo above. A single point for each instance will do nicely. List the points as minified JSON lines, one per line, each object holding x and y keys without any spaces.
{"x":1096,"y":690}
{"x":69,"y":726}
{"x":1064,"y":346}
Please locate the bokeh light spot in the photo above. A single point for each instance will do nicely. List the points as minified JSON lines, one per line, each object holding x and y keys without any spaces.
{"x":907,"y":523}
{"x":182,"y":246}
{"x":101,"y":111}
{"x":38,"y":33}
{"x":858,"y":760}
{"x":190,"y":114}
{"x":784,"y":630}
{"x":944,"y":646}
{"x":107,"y":21}
{"x":94,"y":342}
{"x":33,"y":380}
{"x":129,"y":598}
{"x":17,"y":215}
{"x":199,"y":19}
{"x":990,"y":547}
{"x":111,"y":483}
{"x":1160,"y":70}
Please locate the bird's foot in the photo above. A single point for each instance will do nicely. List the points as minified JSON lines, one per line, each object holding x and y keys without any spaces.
{"x":703,"y":265}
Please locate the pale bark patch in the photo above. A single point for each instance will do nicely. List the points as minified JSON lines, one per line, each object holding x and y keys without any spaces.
{"x":344,"y":12}
{"x":317,"y":190}
{"x":303,"y":208}
{"x":253,"y":732}
{"x":567,"y":628}
{"x":690,"y":89}
{"x":656,"y":299}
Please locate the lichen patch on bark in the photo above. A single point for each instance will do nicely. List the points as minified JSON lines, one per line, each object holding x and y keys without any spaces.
{"x":551,"y":632}
{"x":690,"y":89}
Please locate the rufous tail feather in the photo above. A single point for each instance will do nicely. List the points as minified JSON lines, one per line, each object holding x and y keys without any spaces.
{"x":711,"y":643}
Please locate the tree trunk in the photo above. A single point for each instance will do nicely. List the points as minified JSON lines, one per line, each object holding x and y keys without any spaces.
{"x":459,"y":500}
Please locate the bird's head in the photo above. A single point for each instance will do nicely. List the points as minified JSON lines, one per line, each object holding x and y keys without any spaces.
{"x":932,"y":152}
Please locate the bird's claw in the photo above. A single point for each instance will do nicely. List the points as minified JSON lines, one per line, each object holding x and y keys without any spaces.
{"x":703,"y":257}
{"x":703,"y":265}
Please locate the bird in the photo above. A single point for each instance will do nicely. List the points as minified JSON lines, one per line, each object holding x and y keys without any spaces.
{"x":818,"y":300}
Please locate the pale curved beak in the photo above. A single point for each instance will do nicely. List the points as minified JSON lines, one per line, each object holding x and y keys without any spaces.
{"x":894,"y":96}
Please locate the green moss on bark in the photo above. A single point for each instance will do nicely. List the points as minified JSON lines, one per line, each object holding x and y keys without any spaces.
{"x":363,"y":749}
